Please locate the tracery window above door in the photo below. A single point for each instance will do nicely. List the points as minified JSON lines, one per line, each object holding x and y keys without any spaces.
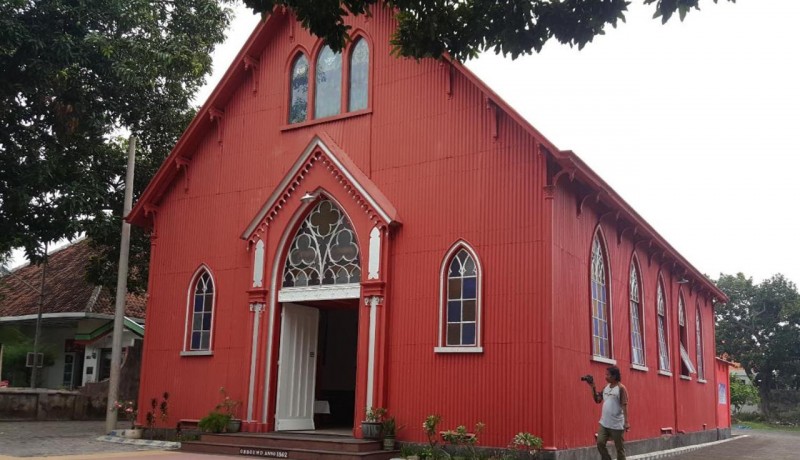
{"x":324,"y":250}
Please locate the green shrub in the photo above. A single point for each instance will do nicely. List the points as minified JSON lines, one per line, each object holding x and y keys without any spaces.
{"x":214,"y":422}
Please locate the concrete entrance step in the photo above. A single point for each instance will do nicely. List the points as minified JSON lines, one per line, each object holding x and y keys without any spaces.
{"x":289,"y":446}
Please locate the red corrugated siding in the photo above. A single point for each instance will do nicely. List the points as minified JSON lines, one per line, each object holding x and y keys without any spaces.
{"x":435,"y":157}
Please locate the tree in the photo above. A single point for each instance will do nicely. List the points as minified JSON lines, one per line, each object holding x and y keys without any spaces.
{"x":742,"y":393}
{"x":74,"y":75}
{"x":430,"y":28}
{"x":760,"y":328}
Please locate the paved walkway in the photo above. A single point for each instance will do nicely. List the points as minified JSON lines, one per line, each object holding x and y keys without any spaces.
{"x":77,"y":441}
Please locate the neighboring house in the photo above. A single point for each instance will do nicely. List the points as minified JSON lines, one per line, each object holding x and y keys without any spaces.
{"x":340,"y":231}
{"x":77,"y":318}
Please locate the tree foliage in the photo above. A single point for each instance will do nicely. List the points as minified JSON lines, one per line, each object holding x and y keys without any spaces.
{"x":75,"y":74}
{"x":742,"y":393}
{"x":430,"y":28}
{"x":760,"y":328}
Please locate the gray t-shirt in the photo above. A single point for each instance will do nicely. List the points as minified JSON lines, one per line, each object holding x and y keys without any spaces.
{"x":612,"y":417}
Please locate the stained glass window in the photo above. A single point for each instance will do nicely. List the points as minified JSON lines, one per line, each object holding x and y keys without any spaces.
{"x":637,"y":340}
{"x":328,"y":93}
{"x":701,"y":372}
{"x":324,"y":251}
{"x":359,"y":76}
{"x":663,"y":348}
{"x":298,"y":105}
{"x":202,"y":310}
{"x":600,"y":313}
{"x":462,"y":300}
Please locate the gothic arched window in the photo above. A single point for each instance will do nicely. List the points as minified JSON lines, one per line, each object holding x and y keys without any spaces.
{"x":328,"y":92}
{"x":298,"y":90}
{"x":637,"y":318}
{"x":201,"y":312}
{"x":359,"y":76}
{"x":663,"y":338}
{"x":461,"y":300}
{"x":324,"y":250}
{"x":601,"y":340}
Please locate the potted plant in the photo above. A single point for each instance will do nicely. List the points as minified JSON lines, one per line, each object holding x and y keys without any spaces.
{"x":372,"y":424}
{"x":229,"y":407}
{"x":389,"y":433}
{"x":214,"y":422}
{"x":128,"y":409}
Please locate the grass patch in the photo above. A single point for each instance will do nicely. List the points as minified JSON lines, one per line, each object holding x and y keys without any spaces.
{"x":756,"y":425}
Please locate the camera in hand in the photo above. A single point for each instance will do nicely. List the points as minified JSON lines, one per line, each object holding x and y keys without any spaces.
{"x":588,"y":379}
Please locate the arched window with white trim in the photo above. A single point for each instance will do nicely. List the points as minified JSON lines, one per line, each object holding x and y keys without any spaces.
{"x":661,"y":319}
{"x":601,"y":319}
{"x":460,"y":316}
{"x":324,"y":250}
{"x":298,"y":90}
{"x":328,"y":92}
{"x":359,"y":76}
{"x":201,"y":312}
{"x":637,"y":318}
{"x":701,"y":371}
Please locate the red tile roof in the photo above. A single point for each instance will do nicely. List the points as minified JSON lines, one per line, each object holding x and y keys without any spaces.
{"x":66,"y":288}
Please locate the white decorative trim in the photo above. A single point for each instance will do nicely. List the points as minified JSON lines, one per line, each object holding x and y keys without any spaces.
{"x":602,"y":359}
{"x":458,"y":349}
{"x":639,"y":368}
{"x":372,"y":302}
{"x":197,"y":353}
{"x":292,"y":175}
{"x":665,"y":373}
{"x":701,"y":381}
{"x":253,"y":360}
{"x":327,"y":292}
{"x":258,"y":264}
{"x":686,"y":377}
{"x":374,"y":254}
{"x":257,"y":307}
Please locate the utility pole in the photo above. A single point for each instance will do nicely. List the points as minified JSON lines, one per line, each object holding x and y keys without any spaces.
{"x":35,"y":368}
{"x":122,"y":292}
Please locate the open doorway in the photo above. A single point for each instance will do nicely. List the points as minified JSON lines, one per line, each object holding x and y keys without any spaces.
{"x":317,"y":366}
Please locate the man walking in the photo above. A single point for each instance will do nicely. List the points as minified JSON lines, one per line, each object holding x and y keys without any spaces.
{"x":614,"y":419}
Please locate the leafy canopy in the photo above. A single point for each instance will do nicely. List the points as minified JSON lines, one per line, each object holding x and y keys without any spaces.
{"x":75,"y":74}
{"x":760,"y":328}
{"x":430,"y":28}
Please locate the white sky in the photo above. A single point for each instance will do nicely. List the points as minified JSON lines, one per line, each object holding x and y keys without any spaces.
{"x":694,"y":124}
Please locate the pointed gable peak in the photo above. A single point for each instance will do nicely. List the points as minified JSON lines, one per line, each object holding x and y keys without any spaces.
{"x":323,"y":151}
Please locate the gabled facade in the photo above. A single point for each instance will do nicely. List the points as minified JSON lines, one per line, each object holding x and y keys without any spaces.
{"x":335,"y":232}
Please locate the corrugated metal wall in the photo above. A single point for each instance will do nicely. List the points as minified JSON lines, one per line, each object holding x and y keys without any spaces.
{"x":436,"y":158}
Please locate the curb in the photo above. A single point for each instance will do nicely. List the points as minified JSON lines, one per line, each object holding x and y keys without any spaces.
{"x":681,"y":450}
{"x":115,"y":438}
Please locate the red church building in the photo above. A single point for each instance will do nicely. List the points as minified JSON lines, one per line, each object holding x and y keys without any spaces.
{"x":339,"y":231}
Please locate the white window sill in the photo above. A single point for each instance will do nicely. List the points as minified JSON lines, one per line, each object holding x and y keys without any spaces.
{"x":665,"y":373}
{"x":458,"y":350}
{"x":601,"y":359}
{"x":701,"y":381}
{"x":197,"y":353}
{"x":639,"y":368}
{"x":686,"y":377}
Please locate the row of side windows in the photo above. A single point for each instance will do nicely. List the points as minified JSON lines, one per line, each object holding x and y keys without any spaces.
{"x":328,"y":82}
{"x":459,"y":321}
{"x":601,"y":318}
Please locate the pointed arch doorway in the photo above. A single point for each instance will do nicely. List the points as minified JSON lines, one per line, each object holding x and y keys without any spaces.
{"x":319,"y":298}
